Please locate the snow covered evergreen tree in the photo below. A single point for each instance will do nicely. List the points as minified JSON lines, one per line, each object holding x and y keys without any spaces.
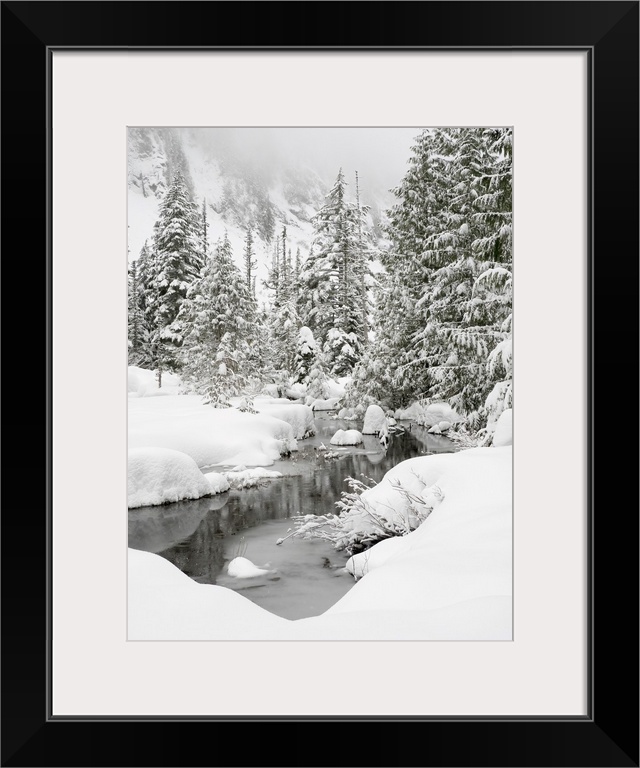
{"x":332,"y":279}
{"x":177,"y":262}
{"x":218,"y":322}
{"x":249,"y":263}
{"x":306,"y":354}
{"x":445,"y":305}
{"x":138,"y":330}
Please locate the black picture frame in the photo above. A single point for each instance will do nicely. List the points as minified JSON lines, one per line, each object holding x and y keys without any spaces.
{"x":608,"y":735}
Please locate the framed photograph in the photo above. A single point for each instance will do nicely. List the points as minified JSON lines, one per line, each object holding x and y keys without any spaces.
{"x":504,"y":638}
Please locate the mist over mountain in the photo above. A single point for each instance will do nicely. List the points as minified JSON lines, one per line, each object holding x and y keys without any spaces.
{"x":262,"y":178}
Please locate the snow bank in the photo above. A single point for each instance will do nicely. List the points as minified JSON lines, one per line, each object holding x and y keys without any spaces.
{"x":143,"y":383}
{"x":211,"y":436}
{"x":375,"y":422}
{"x":299,"y":416}
{"x":218,"y":482}
{"x":160,"y":475}
{"x":241,"y":477}
{"x":462,"y":551}
{"x":448,"y":580}
{"x":503,"y":434}
{"x":347,"y":437}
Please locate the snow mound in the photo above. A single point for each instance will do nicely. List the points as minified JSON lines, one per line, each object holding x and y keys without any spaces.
{"x":240,"y":478}
{"x":241,"y":568}
{"x":437,"y":412}
{"x":161,"y":475}
{"x":211,"y":436}
{"x":143,"y":383}
{"x":503,"y":434}
{"x":218,"y":482}
{"x":440,"y":428}
{"x":347,"y":414}
{"x":413,"y":413}
{"x":375,"y":422}
{"x":299,"y":416}
{"x":346,"y":437}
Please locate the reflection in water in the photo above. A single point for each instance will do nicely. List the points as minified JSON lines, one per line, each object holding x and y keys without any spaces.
{"x":201,"y":536}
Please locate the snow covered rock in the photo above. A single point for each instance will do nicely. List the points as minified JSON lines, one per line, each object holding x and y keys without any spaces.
{"x":218,"y":482}
{"x":503,"y":434}
{"x":375,"y":422}
{"x":346,"y":437}
{"x":161,"y":475}
{"x":241,"y":568}
{"x":440,"y":428}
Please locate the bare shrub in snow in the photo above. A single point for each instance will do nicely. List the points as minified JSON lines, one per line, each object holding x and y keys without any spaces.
{"x":358,"y":524}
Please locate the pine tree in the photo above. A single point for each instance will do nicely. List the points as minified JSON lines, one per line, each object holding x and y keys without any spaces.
{"x":135,"y":316}
{"x":178,"y":260}
{"x":296,"y":275}
{"x":249,"y":263}
{"x":218,"y":322}
{"x":332,"y":279}
{"x":140,"y":315}
{"x":444,"y":305}
{"x":273,"y":282}
{"x":306,"y":352}
{"x":205,"y":226}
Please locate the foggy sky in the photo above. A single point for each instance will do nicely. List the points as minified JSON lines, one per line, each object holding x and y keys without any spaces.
{"x":379,"y":155}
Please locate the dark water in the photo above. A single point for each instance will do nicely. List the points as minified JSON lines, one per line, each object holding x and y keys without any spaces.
{"x":305,"y":576}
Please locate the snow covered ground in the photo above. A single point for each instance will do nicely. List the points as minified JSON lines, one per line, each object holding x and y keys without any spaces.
{"x":217,"y":436}
{"x":450,"y":579}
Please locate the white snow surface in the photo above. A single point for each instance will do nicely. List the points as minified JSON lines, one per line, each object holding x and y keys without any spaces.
{"x":503,"y":434}
{"x":143,"y":383}
{"x":241,"y":477}
{"x":161,"y":475}
{"x":299,"y":416}
{"x":448,"y":580}
{"x":211,"y":436}
{"x":347,"y":437}
{"x":375,"y":422}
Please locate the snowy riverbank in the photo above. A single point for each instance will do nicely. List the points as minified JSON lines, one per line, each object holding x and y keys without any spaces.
{"x":448,"y":580}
